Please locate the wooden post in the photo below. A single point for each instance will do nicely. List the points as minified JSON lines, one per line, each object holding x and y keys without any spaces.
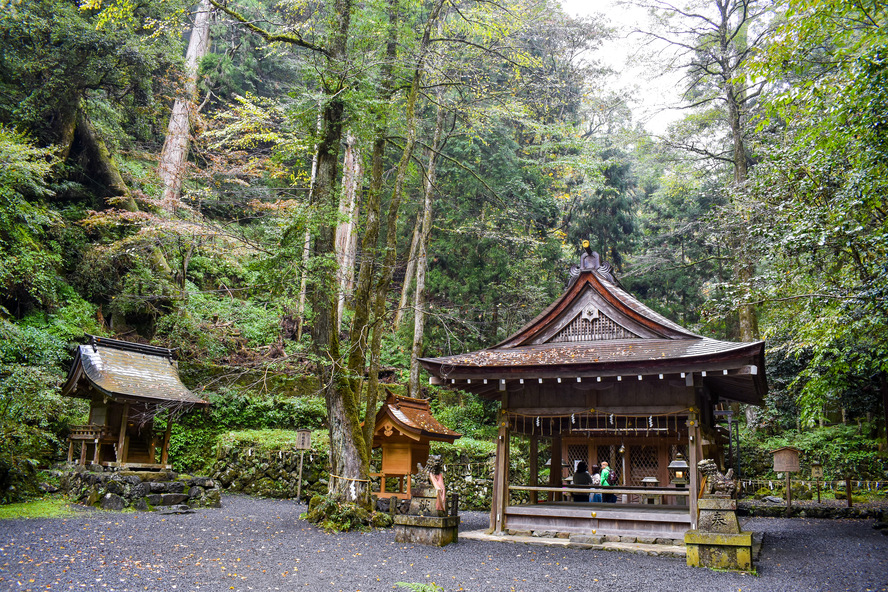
{"x":848,"y":490}
{"x":788,"y":494}
{"x":501,"y":471}
{"x":693,"y":442}
{"x":70,"y":449}
{"x":534,"y":466}
{"x":82,"y":453}
{"x":121,"y":438}
{"x":96,"y":454}
{"x":299,"y":486}
{"x":623,"y":474}
{"x":165,"y":450}
{"x":555,"y":468}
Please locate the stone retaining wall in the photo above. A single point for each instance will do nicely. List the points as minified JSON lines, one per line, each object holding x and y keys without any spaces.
{"x":271,"y":473}
{"x":276,"y":474}
{"x":771,"y":510}
{"x":140,"y":490}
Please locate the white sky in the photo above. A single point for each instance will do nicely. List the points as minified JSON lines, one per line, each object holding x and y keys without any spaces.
{"x":652,"y":92}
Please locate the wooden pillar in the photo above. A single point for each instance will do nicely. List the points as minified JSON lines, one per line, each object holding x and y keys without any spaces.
{"x":693,"y":482}
{"x":121,"y":439}
{"x":70,"y":449}
{"x":82,"y":461}
{"x":152,"y":446}
{"x":555,"y":467}
{"x":534,"y":466}
{"x":501,"y":472}
{"x":96,"y":452}
{"x":164,"y":452}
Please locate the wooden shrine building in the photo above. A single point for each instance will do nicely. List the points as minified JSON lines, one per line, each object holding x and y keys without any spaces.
{"x":404,"y":429}
{"x":597,"y":377}
{"x":127,"y":385}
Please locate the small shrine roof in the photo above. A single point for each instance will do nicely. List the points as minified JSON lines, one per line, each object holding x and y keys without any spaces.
{"x":414,"y":416}
{"x":123,"y":370}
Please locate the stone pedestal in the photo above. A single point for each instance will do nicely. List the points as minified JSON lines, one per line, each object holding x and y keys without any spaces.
{"x":720,"y":551}
{"x":427,"y":530}
{"x":426,"y":525}
{"x":718,"y":542}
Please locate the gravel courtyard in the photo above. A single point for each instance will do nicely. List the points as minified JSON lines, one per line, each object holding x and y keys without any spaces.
{"x":261,"y":544}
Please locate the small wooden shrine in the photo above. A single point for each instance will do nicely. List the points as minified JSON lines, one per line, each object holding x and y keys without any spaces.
{"x":600,"y":377}
{"x":404,"y":429}
{"x":127,"y":385}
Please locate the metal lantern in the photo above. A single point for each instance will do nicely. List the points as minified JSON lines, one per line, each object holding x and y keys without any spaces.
{"x":680,"y":468}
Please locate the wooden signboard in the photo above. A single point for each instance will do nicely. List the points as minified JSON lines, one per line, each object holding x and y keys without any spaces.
{"x":786,"y":460}
{"x":303,"y":439}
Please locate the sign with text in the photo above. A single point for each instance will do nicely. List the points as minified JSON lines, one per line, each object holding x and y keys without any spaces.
{"x":303,"y":439}
{"x":786,"y":460}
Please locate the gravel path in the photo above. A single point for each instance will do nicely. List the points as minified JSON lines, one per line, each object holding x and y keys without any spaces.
{"x":260,"y":544}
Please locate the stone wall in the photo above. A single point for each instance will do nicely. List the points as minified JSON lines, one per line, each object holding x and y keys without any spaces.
{"x":139,"y":490}
{"x":271,"y":473}
{"x":275,"y":473}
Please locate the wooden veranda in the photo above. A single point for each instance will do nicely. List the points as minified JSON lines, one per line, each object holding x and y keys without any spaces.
{"x":600,"y":377}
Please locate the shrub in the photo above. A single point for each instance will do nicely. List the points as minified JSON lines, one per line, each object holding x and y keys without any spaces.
{"x":334,"y":516}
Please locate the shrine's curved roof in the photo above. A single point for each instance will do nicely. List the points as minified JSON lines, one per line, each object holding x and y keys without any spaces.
{"x":596,"y":328}
{"x":123,"y":370}
{"x":414,"y":416}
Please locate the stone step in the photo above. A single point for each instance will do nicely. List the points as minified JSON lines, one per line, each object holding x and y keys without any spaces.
{"x":638,"y":548}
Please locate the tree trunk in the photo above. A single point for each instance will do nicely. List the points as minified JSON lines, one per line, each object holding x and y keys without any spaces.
{"x":408,"y":273}
{"x":104,"y":166}
{"x":346,"y":237}
{"x":349,"y":458}
{"x":391,"y":239}
{"x":306,"y":246}
{"x":736,"y":101}
{"x":419,"y":298}
{"x":108,"y":174}
{"x":67,"y":127}
{"x":369,"y":244}
{"x":174,"y":156}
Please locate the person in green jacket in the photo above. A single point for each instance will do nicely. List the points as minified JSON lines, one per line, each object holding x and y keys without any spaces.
{"x":606,"y":474}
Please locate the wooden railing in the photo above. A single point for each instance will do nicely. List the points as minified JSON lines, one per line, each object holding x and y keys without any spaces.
{"x":640,"y":491}
{"x":89,"y":432}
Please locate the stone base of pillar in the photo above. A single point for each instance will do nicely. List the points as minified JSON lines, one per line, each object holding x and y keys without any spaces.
{"x":719,"y":550}
{"x":718,"y":541}
{"x":427,"y":530}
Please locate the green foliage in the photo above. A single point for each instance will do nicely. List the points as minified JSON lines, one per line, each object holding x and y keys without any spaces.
{"x":57,"y":53}
{"x":235,"y":419}
{"x":842,"y":450}
{"x":29,"y":263}
{"x":465,"y":447}
{"x":471,"y":416}
{"x":820,"y":193}
{"x":50,"y":507}
{"x":213,"y":326}
{"x":32,"y":414}
{"x":415,"y":587}
{"x":269,"y":440}
{"x":336,"y":516}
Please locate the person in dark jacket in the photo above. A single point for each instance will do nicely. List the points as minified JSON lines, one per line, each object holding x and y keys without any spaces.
{"x":582,"y":478}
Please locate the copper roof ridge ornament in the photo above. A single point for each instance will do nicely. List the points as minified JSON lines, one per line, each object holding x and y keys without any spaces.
{"x":591,"y":260}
